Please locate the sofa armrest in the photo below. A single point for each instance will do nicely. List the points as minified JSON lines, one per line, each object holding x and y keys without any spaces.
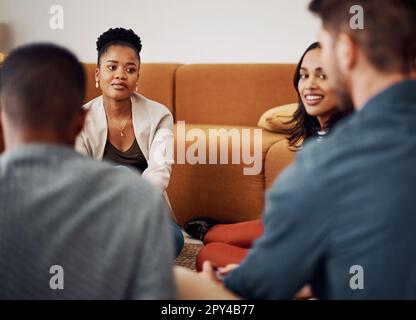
{"x":219,"y":191}
{"x":278,"y":157}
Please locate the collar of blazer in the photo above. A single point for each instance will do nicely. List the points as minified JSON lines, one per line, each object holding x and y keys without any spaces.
{"x":97,"y":128}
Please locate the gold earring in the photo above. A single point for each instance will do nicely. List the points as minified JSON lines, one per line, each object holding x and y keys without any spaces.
{"x":96,"y":84}
{"x":137,"y":88}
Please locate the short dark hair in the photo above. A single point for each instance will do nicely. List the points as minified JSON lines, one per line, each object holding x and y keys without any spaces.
{"x":41,"y":86}
{"x":388,"y":38}
{"x":118,"y":36}
{"x":302,"y":125}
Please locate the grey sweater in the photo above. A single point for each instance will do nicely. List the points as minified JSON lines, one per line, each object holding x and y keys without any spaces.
{"x":106,"y":228}
{"x":343,"y":216}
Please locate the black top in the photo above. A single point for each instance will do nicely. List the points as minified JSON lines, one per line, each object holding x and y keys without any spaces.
{"x":133,"y":157}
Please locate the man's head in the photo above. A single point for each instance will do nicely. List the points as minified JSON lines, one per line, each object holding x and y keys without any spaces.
{"x":384,"y":46}
{"x":41,"y":93}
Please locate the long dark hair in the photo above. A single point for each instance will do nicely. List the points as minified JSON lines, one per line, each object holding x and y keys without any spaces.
{"x":304,"y":125}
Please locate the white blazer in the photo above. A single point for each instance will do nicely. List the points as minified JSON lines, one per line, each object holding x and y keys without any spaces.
{"x":153,"y":128}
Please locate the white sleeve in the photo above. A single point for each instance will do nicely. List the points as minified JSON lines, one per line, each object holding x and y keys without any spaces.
{"x":161,"y":154}
{"x":80,"y":145}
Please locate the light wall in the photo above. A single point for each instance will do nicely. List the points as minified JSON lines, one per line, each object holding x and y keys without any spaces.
{"x":185,"y":31}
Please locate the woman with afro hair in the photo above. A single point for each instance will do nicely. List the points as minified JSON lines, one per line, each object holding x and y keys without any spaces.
{"x":122,"y":126}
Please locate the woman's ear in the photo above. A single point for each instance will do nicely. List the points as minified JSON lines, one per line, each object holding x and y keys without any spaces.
{"x":97,"y":78}
{"x":97,"y":74}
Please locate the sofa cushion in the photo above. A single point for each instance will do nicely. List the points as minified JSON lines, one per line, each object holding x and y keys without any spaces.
{"x":231,"y":94}
{"x":276,"y":119}
{"x":157,"y":82}
{"x":220,"y":191}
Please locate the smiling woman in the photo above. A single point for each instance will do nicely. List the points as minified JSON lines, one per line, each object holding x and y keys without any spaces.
{"x":317,"y":108}
{"x":316,"y":95}
{"x":122,"y":126}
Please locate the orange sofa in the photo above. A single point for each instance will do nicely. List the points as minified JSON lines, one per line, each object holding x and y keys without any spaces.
{"x":214,"y":96}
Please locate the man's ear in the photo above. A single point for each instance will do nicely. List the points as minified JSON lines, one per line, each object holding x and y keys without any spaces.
{"x":346,"y":52}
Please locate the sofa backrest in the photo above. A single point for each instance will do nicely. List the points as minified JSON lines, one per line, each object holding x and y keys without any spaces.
{"x":231,"y":94}
{"x":221,"y":94}
{"x":157,"y":82}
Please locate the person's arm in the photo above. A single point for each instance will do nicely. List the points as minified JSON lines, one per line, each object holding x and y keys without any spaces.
{"x":80,"y":141}
{"x":152,"y":277}
{"x":195,"y":286}
{"x":296,"y":234}
{"x":161,"y":154}
{"x":80,"y":145}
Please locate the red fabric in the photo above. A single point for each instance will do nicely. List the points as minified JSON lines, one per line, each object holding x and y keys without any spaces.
{"x":240,"y":234}
{"x":220,"y":254}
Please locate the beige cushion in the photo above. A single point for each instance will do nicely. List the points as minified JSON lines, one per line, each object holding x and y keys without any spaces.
{"x":275,"y":119}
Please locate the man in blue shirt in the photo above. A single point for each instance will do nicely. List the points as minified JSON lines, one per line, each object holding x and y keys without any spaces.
{"x":342,"y":218}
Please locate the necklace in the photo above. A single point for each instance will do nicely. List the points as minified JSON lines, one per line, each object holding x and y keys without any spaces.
{"x":123,"y":123}
{"x":121,"y":128}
